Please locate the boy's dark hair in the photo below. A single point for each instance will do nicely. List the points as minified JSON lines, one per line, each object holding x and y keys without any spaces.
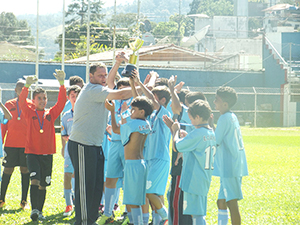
{"x":123,"y":81}
{"x":182,"y":93}
{"x":93,"y":67}
{"x":144,"y":103}
{"x":227,"y":94}
{"x":75,"y":80}
{"x":162,"y":92}
{"x":162,"y":81}
{"x":38,"y":91}
{"x":193,"y":96}
{"x":200,"y":108}
{"x":74,"y":88}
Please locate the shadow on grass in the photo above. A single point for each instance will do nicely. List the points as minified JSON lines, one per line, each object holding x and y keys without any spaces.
{"x":10,"y":211}
{"x":54,"y":219}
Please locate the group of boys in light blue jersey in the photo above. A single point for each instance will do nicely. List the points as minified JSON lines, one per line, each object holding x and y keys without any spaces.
{"x":153,"y":170}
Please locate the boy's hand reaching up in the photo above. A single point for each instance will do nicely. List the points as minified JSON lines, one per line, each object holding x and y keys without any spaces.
{"x":30,"y":80}
{"x":168,"y":121}
{"x":110,"y":106}
{"x":135,"y":76}
{"x":60,"y":76}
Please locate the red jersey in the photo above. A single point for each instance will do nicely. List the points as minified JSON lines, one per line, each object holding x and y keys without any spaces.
{"x":16,"y":128}
{"x":36,"y":142}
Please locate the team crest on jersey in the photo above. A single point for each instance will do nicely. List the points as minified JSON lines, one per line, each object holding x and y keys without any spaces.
{"x":34,"y":118}
{"x":48,"y":179}
{"x":12,"y":109}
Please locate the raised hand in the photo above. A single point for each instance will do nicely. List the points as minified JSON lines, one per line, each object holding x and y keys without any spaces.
{"x":60,"y":76}
{"x":110,"y":106}
{"x":30,"y":80}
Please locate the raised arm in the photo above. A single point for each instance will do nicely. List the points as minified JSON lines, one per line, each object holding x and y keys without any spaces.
{"x":145,"y":90}
{"x":176,"y":106}
{"x":111,"y":107}
{"x":112,"y":73}
{"x":133,"y":88}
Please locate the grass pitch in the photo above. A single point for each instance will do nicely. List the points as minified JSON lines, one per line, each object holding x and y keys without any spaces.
{"x":271,"y":191}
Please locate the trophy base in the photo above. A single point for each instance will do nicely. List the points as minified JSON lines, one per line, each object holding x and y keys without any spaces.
{"x":127,"y":70}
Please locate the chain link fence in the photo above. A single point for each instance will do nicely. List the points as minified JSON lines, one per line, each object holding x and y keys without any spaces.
{"x":257,"y":107}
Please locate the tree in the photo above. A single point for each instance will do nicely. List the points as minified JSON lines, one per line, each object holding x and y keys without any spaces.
{"x":212,"y":7}
{"x":101,"y":40}
{"x":79,"y":8}
{"x":14,"y":30}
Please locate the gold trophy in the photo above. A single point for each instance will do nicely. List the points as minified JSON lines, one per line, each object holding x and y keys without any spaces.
{"x":134,"y":44}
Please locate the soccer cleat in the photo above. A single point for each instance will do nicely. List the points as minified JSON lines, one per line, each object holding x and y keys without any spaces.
{"x":2,"y":203}
{"x":69,"y":210}
{"x":24,"y":205}
{"x":163,"y":222}
{"x":34,"y":214}
{"x":41,"y":217}
{"x":105,"y":220}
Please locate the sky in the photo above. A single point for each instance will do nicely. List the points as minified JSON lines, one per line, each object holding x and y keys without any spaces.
{"x":21,"y":7}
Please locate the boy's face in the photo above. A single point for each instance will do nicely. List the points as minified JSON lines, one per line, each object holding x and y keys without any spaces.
{"x":220,"y":105}
{"x":72,"y":97}
{"x":137,"y":113}
{"x":40,"y":101}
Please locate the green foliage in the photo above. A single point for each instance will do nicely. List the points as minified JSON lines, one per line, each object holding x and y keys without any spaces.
{"x":123,"y":20}
{"x":271,"y":191}
{"x":101,"y":35}
{"x":79,"y":8}
{"x":212,"y":7}
{"x":14,"y":30}
{"x":254,"y":23}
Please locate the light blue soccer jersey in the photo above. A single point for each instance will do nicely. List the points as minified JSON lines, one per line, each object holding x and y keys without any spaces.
{"x":230,"y":160}
{"x":198,"y":147}
{"x":136,"y":125}
{"x":118,"y":105}
{"x":66,"y":123}
{"x":157,"y":143}
{"x":67,"y":107}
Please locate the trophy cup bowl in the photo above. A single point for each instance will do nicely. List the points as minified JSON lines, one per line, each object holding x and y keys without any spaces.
{"x":134,"y":44}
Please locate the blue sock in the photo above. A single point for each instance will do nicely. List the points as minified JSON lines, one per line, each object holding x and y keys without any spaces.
{"x":163,"y":213}
{"x":109,"y":198}
{"x":137,"y":216}
{"x":129,"y":214}
{"x":117,"y":196}
{"x":68,"y":196}
{"x":145,"y":218}
{"x":222,"y":217}
{"x":102,"y":199}
{"x":199,"y":220}
{"x":156,"y":219}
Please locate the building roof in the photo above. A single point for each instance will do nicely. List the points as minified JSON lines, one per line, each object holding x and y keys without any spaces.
{"x":278,"y":7}
{"x":168,"y":52}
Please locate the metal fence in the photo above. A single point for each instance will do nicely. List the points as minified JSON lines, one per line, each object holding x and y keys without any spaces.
{"x":257,"y":107}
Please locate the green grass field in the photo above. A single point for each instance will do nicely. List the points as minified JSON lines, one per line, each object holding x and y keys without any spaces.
{"x":271,"y":191}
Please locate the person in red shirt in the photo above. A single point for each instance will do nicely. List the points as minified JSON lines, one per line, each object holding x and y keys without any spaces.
{"x":14,"y":132}
{"x":40,"y":140}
